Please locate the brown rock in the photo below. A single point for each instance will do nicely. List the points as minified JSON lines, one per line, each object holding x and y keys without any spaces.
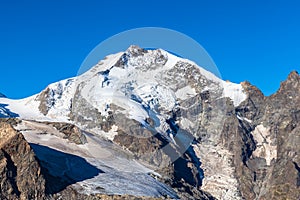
{"x":20,"y":171}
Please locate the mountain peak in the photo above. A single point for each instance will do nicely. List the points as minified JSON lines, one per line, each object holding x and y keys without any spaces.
{"x":294,"y":76}
{"x":251,"y":89}
{"x":135,"y":51}
{"x":291,"y":83}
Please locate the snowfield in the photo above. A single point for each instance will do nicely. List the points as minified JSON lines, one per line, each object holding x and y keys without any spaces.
{"x":111,"y":168}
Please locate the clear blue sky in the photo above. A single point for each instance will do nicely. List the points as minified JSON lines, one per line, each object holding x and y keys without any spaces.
{"x":44,"y":41}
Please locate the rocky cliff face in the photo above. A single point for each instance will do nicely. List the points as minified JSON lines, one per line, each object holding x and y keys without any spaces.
{"x":20,"y":171}
{"x":255,"y":150}
{"x":270,"y":162}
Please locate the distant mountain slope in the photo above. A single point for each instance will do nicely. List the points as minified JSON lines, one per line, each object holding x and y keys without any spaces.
{"x":2,"y":95}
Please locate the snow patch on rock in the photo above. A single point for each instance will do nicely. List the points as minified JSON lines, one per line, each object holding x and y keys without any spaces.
{"x":235,"y":92}
{"x":264,"y":144}
{"x":217,"y":164}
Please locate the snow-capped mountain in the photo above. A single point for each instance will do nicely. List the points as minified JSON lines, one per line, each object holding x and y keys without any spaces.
{"x":139,"y":84}
{"x":141,"y":78}
{"x":149,"y":123}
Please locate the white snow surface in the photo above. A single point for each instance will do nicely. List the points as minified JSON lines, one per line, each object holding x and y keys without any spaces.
{"x":26,"y":108}
{"x":185,"y":92}
{"x":63,"y":92}
{"x":235,"y":92}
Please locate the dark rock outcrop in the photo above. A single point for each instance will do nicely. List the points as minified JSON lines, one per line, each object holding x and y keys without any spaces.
{"x":20,"y":171}
{"x":45,"y":97}
{"x":72,"y":132}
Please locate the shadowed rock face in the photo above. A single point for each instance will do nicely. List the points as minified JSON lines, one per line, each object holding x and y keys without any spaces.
{"x":268,"y":165}
{"x":20,"y":171}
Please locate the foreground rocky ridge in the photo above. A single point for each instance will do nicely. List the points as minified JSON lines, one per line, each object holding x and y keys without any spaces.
{"x":21,"y":176}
